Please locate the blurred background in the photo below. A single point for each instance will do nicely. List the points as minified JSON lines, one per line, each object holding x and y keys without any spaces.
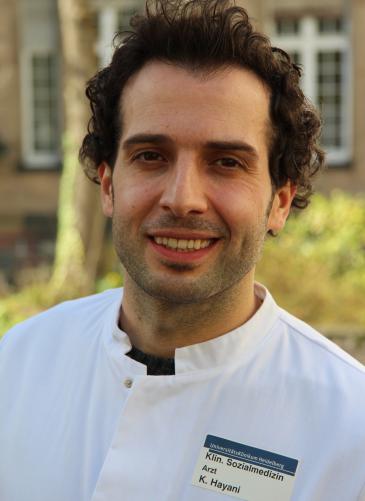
{"x":54,"y":242}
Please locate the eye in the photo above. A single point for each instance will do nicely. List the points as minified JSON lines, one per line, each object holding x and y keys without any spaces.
{"x":149,"y":156}
{"x":228,"y":162}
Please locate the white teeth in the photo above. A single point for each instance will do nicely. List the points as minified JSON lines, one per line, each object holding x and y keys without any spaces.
{"x":172,"y":242}
{"x":182,"y":244}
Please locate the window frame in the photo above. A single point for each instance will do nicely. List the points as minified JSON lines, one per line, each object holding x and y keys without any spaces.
{"x":308,"y":42}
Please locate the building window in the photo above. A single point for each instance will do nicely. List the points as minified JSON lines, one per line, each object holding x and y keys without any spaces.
{"x":124,"y":15}
{"x":321,"y":46}
{"x":45,"y":116}
{"x":40,"y":84}
{"x":287,"y":26}
{"x":329,"y":95}
{"x":41,"y":128}
{"x":111,"y":21}
{"x":330,"y":25}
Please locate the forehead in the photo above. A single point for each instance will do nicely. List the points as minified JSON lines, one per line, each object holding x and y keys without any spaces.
{"x":227,"y":103}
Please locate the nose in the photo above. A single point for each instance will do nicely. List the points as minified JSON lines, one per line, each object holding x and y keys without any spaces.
{"x":184,"y":189}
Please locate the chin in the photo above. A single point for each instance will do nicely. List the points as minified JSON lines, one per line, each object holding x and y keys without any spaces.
{"x":178,"y":292}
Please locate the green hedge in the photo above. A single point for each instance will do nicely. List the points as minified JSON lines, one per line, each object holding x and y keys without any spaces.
{"x":316,"y":267}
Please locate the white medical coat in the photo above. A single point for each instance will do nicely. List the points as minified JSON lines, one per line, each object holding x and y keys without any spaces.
{"x":81,"y":421}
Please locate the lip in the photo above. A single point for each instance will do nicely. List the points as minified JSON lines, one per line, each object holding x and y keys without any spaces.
{"x":177,"y":256}
{"x":182,"y":235}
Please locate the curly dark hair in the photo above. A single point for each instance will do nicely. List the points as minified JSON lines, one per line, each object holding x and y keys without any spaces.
{"x":207,"y":35}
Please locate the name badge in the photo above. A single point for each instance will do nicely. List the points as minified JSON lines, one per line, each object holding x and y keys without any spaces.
{"x":244,"y":472}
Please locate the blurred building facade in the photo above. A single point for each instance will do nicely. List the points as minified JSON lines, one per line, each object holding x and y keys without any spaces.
{"x":326,"y":37}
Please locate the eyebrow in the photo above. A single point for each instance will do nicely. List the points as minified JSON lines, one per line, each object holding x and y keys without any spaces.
{"x":160,"y":139}
{"x":232,"y":146}
{"x":146,"y":138}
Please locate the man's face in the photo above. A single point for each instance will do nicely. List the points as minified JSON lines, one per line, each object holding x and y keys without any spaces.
{"x":190,"y":194}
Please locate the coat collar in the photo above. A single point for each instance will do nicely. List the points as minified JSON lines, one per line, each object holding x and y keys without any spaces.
{"x":229,"y":349}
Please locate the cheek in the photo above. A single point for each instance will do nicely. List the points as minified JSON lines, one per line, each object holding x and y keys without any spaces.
{"x":133,"y":197}
{"x":239,"y":206}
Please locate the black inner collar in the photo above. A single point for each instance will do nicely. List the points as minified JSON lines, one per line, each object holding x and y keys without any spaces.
{"x":156,"y":366}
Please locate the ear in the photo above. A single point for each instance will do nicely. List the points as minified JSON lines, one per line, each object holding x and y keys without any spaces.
{"x":106,"y":191}
{"x":281,"y":207}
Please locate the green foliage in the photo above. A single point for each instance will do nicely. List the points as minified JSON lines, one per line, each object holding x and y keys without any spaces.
{"x":28,"y":301}
{"x":109,"y":281}
{"x":40,"y":296}
{"x":316,"y":267}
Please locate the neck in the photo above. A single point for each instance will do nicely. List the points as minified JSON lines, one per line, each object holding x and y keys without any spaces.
{"x":158,"y":327}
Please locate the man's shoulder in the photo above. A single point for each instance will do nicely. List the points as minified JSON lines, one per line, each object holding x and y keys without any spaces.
{"x":80,"y":315}
{"x":326,"y":378}
{"x":318,"y":353}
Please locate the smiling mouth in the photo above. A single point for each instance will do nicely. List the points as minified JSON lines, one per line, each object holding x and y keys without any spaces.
{"x":183,"y":245}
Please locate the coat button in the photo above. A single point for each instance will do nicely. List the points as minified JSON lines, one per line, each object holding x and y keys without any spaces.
{"x":128,"y":383}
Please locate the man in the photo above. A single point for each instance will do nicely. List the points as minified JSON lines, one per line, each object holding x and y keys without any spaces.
{"x":191,"y":384}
